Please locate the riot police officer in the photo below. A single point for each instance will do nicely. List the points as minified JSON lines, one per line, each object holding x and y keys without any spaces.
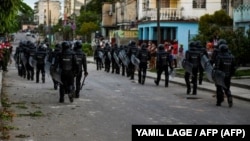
{"x":53,"y":60}
{"x":144,"y":57}
{"x":217,"y":50}
{"x":192,"y":56}
{"x":69,"y":67}
{"x":163,"y":61}
{"x":225,"y":62}
{"x":40,"y":57}
{"x":30,"y":51}
{"x":132,"y":53}
{"x":19,"y":59}
{"x":202,"y":50}
{"x":98,"y":56}
{"x":115,"y":59}
{"x":123,"y":57}
{"x":82,"y":66}
{"x":107,"y":56}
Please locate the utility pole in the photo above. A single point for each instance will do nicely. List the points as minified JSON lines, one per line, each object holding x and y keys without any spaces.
{"x":74,"y":20}
{"x":158,"y":23}
{"x":49,"y":22}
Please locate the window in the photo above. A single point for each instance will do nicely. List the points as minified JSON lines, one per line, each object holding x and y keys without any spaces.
{"x":199,"y":3}
{"x":165,"y":3}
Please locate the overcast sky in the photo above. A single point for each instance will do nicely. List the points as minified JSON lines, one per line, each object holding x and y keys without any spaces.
{"x":31,"y":2}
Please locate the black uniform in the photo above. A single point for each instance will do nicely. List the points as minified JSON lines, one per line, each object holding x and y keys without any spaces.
{"x":40,"y":57}
{"x":193,"y":56}
{"x":115,"y":59}
{"x":82,"y":66}
{"x":53,"y":60}
{"x":98,"y":57}
{"x":30,"y":52}
{"x":19,"y":56}
{"x":124,"y":64}
{"x":69,"y":67}
{"x":202,"y":50}
{"x":225,"y":62}
{"x":217,"y":50}
{"x":163,"y":61}
{"x":144,"y":57}
{"x":107,"y":56}
{"x":132,"y":50}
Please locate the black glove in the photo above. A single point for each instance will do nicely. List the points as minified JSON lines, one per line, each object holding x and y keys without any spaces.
{"x":86,"y":73}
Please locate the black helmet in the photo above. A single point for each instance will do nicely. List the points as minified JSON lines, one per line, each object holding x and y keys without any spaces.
{"x":222,"y":41}
{"x":98,"y":46}
{"x":29,"y":44}
{"x":65,"y":45}
{"x":41,"y":48}
{"x":106,"y":44}
{"x":132,"y":43}
{"x":58,"y":46}
{"x":22,"y":43}
{"x":223,"y":48}
{"x":192,"y":44}
{"x":161,"y":47}
{"x":77,"y":45}
{"x":115,"y":45}
{"x":144,"y":46}
{"x":197,"y":43}
{"x":121,"y":46}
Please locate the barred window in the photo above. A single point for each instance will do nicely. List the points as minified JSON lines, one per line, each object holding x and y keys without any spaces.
{"x":199,"y":3}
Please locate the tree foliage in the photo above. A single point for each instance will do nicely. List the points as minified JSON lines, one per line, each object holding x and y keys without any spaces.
{"x":9,"y":10}
{"x":222,"y":25}
{"x":88,"y":27}
{"x":209,"y":25}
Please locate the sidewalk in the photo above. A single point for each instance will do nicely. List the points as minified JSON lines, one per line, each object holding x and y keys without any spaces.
{"x":240,"y":88}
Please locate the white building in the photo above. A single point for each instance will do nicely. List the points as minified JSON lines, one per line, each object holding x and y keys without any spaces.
{"x":43,"y":15}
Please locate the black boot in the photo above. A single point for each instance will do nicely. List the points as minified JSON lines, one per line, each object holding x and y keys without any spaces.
{"x":156,"y":82}
{"x":230,"y":101}
{"x":143,"y":80}
{"x":188,"y":90}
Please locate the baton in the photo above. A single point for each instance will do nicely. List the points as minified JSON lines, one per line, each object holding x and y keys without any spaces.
{"x":83,"y":81}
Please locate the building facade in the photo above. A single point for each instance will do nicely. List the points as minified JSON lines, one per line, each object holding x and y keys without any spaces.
{"x":241,"y":14}
{"x":178,"y":19}
{"x":47,"y":11}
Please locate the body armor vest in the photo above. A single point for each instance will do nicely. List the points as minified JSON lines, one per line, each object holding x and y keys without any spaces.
{"x":67,"y":61}
{"x":144,"y":56}
{"x":226,"y":63}
{"x":40,"y":57}
{"x":194,"y":58}
{"x":163,"y":58}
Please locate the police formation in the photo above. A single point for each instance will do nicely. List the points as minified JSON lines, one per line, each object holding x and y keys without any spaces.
{"x":219,"y":69}
{"x":128,"y":58}
{"x":65,"y":64}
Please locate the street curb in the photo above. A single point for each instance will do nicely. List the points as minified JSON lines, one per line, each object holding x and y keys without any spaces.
{"x":199,"y":88}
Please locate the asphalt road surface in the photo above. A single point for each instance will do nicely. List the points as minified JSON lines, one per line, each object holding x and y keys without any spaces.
{"x":108,"y":106}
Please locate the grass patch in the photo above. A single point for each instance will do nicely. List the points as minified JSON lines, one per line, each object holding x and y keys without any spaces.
{"x":239,"y":73}
{"x":5,"y":102}
{"x":6,"y":115}
{"x":33,"y":114}
{"x":20,"y":105}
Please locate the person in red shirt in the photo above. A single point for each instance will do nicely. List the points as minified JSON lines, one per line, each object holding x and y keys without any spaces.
{"x":175,"y":53}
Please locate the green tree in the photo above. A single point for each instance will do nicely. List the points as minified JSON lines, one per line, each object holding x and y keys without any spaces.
{"x":210,"y":25}
{"x":88,"y":27}
{"x":9,"y":10}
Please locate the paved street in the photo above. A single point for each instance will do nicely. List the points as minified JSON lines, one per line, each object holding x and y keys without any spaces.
{"x":108,"y":106}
